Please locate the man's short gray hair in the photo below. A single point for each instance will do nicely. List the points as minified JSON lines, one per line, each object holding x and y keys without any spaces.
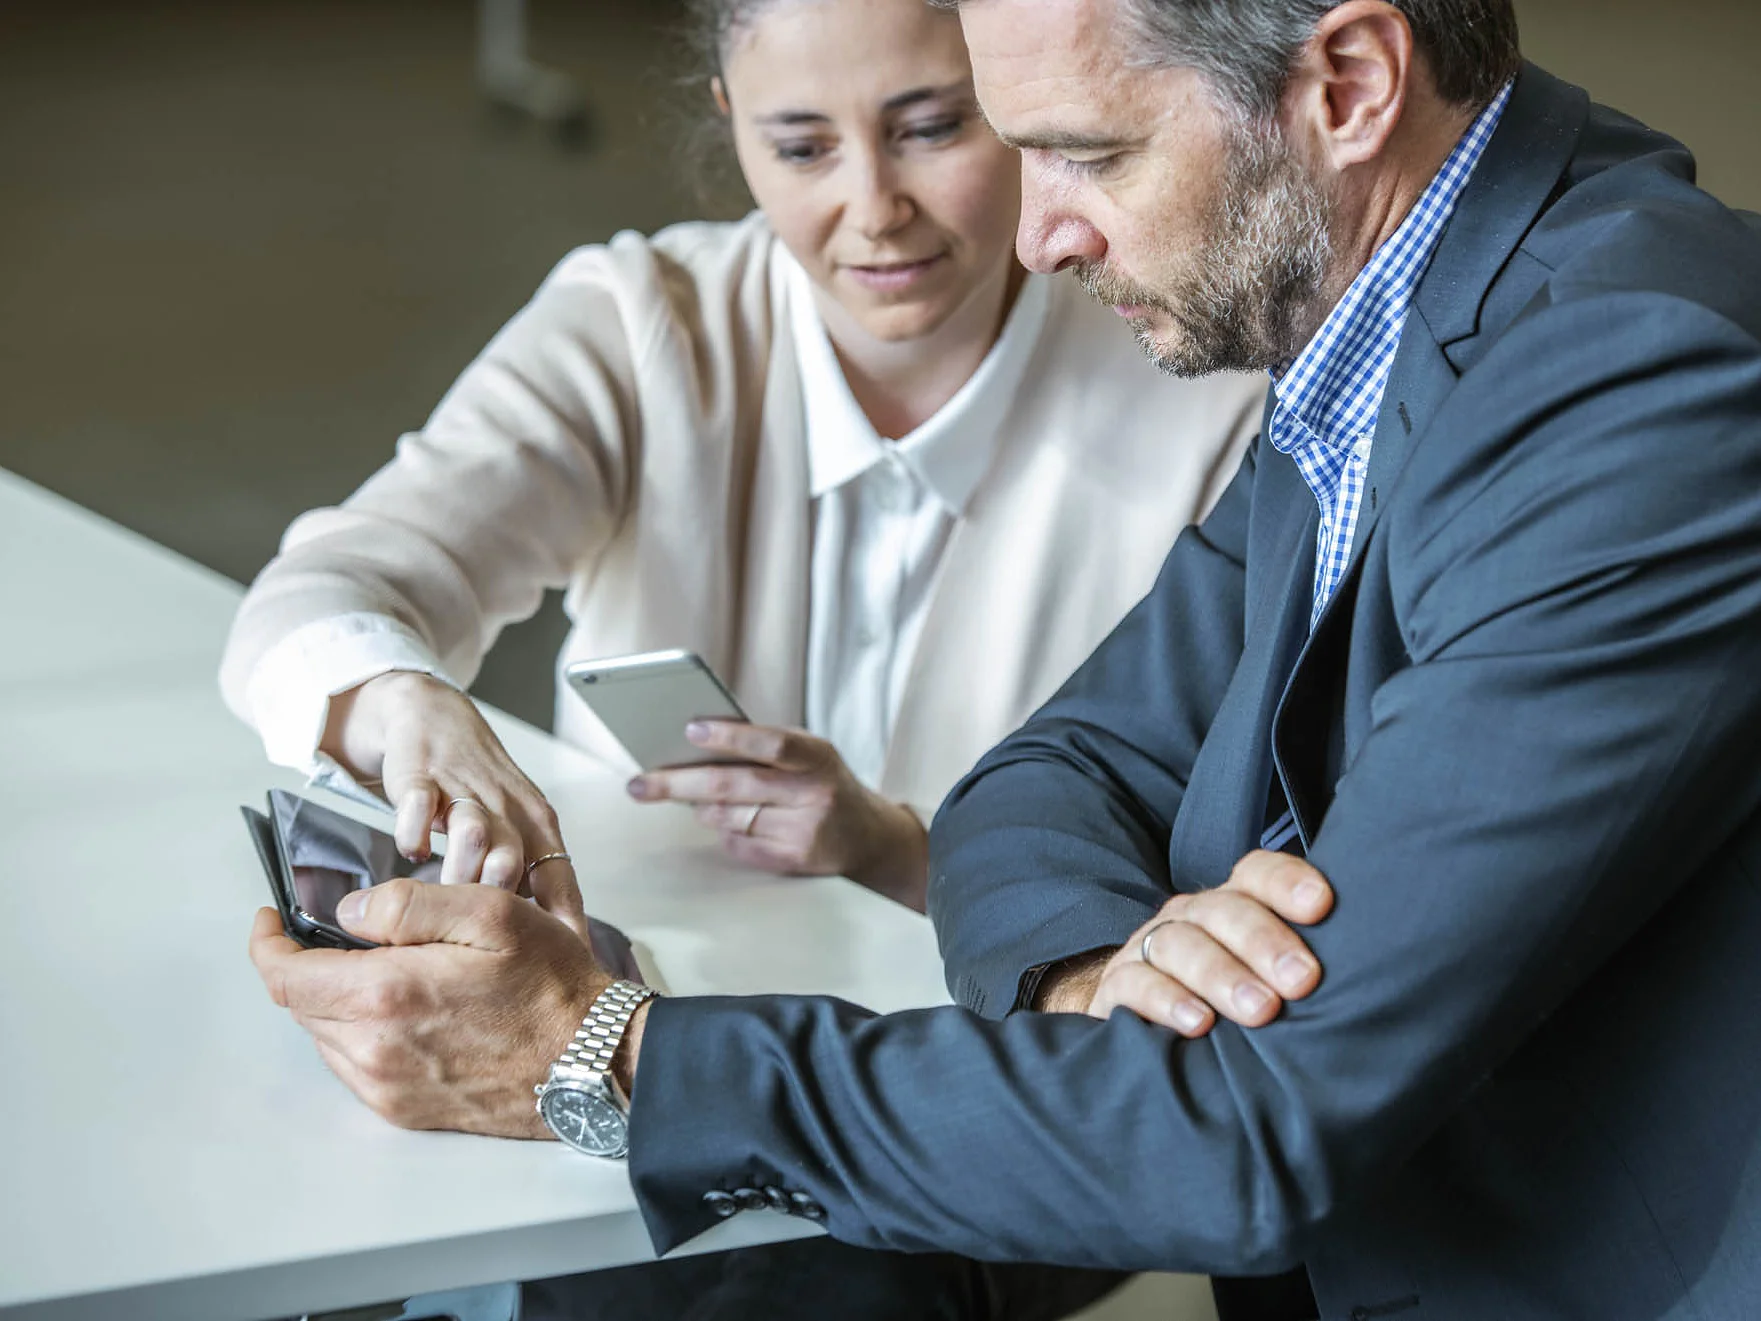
{"x":1246,"y":48}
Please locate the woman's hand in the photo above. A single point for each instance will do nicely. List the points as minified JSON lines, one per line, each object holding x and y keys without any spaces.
{"x":792,"y":806}
{"x":442,"y":768}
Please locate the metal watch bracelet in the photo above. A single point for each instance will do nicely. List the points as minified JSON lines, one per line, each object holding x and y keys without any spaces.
{"x":598,"y":1037}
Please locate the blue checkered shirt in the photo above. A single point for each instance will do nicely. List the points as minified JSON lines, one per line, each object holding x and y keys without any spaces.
{"x":1329,"y":397}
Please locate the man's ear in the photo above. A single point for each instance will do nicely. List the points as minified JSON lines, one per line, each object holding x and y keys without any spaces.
{"x":1351,"y":82}
{"x":718,"y":91}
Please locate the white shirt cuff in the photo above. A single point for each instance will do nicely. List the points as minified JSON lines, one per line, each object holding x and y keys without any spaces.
{"x":289,"y":691}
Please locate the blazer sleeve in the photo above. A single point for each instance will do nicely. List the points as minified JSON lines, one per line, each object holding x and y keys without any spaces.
{"x":1573,"y":740}
{"x":512,"y":486}
{"x":1056,"y":843}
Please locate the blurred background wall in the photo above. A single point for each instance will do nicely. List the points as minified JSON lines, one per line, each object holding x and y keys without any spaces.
{"x":244,"y":245}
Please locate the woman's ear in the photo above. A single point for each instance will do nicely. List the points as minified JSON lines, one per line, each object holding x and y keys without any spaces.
{"x":719,"y":92}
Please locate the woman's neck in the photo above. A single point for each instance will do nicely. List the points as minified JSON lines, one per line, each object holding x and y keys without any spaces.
{"x":901,"y":385}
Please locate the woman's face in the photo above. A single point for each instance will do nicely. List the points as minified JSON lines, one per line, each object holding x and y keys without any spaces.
{"x":859,"y":135}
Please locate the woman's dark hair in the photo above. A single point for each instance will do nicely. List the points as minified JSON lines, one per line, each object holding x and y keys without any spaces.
{"x":708,"y":30}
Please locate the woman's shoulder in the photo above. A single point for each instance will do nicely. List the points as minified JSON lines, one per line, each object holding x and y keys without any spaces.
{"x":695,"y":270}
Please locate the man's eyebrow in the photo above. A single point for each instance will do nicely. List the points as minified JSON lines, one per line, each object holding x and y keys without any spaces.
{"x":1060,"y":140}
{"x":893,"y":104}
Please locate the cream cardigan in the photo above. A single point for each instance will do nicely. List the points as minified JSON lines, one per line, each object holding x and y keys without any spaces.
{"x":634,"y":436}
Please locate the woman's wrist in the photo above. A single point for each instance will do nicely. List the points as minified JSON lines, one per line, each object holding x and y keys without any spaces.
{"x":898,"y":865}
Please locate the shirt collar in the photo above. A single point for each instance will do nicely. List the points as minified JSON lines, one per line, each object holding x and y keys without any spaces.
{"x":951,"y":452}
{"x":1330,"y":384}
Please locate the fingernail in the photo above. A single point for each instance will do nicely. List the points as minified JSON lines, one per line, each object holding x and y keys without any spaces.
{"x":637,"y":788}
{"x":1188,"y":1017}
{"x":352,"y":907}
{"x":1293,"y":970}
{"x":1311,"y":894}
{"x":698,"y":731}
{"x":1252,"y":998}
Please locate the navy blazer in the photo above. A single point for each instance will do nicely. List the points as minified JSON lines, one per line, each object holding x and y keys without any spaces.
{"x":1523,"y":742}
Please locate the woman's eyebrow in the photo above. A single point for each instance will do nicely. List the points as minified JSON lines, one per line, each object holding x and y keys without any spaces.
{"x":893,"y":104}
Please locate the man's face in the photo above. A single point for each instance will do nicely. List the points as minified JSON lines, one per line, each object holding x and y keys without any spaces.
{"x":1205,"y":231}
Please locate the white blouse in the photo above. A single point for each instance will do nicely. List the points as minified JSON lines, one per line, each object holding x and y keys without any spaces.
{"x":884,"y":513}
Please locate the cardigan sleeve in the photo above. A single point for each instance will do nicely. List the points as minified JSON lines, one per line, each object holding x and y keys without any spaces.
{"x":523,"y":474}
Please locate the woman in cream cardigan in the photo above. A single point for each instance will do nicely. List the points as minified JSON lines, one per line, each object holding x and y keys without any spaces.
{"x":891,"y":487}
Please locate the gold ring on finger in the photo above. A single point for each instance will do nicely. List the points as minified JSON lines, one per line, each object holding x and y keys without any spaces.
{"x":548,"y":857}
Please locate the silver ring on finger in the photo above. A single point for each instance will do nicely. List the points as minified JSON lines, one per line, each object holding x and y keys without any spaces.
{"x":454,"y":802}
{"x":752,"y":820}
{"x":1143,"y":948}
{"x":538,"y":862}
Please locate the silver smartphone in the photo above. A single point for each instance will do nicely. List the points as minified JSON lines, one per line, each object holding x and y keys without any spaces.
{"x":647,"y":700}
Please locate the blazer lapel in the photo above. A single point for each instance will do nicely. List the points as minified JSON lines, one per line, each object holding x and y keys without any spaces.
{"x":1511,"y":185}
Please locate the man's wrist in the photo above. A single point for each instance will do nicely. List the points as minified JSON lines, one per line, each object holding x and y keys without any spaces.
{"x":623,"y":1061}
{"x":1069,"y":987}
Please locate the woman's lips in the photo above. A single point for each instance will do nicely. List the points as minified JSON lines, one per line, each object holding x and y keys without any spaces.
{"x":892,"y":277}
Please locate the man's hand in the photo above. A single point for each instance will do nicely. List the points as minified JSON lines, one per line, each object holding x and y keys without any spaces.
{"x":796,"y":809}
{"x":454,"y":1022}
{"x":1226,"y":951}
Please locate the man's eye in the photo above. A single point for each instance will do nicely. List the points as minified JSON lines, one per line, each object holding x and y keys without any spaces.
{"x":1092,"y":167}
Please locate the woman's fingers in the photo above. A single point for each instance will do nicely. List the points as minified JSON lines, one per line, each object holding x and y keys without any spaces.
{"x":1153,"y":996}
{"x":766,"y":745}
{"x":744,"y":785}
{"x":417,"y":800}
{"x":469,"y":837}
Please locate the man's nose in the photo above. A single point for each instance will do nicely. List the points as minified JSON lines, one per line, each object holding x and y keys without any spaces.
{"x":1052,"y":234}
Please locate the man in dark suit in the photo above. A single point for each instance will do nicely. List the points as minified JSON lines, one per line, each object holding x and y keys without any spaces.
{"x":1474,"y":636}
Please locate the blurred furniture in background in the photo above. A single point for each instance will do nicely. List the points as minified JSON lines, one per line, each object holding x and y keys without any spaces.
{"x":512,"y":80}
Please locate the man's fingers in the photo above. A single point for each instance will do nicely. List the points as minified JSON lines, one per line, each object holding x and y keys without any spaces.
{"x":418,"y":802}
{"x":1191,"y":955}
{"x":314,"y":983}
{"x":1289,"y":886}
{"x":1256,"y":937}
{"x":767,"y":745}
{"x":407,"y":912}
{"x":1152,"y":996}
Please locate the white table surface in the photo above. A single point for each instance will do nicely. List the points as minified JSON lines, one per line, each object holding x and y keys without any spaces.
{"x":170,"y":1145}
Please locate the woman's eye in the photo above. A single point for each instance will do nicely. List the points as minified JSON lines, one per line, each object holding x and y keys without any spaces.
{"x":935,"y":130}
{"x":798,"y":153}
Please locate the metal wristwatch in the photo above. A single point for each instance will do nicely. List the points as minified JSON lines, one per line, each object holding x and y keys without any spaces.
{"x":580,"y":1100}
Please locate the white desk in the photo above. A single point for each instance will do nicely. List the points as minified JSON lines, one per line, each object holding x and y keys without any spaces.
{"x":170,"y":1145}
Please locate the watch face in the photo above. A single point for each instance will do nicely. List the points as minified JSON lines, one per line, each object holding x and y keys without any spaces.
{"x":586,"y":1120}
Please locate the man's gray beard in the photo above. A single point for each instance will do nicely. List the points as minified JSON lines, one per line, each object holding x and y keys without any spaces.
{"x":1250,"y":295}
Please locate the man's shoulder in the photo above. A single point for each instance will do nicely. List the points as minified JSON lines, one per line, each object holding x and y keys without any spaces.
{"x":1628,"y":218}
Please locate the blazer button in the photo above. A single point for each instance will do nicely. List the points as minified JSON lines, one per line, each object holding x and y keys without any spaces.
{"x":721,"y":1203}
{"x":778,"y":1200}
{"x":806,"y":1207}
{"x":750,"y":1199}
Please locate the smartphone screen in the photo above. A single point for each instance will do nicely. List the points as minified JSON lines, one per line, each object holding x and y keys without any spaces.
{"x":327,"y":855}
